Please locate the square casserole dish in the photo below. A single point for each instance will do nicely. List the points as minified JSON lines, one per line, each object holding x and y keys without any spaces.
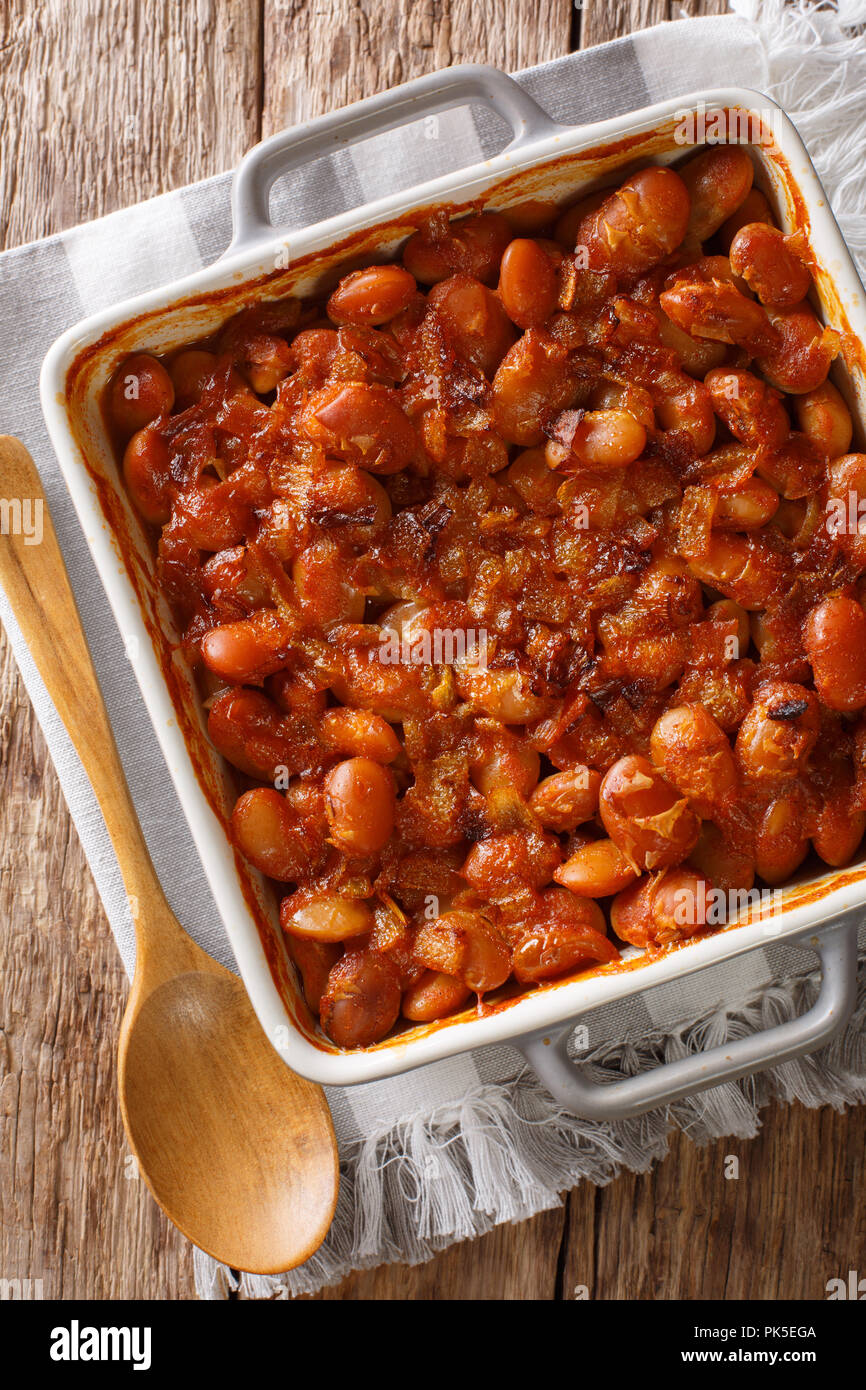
{"x":546,"y":161}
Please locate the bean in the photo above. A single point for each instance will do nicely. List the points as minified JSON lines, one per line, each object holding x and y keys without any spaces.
{"x":834,"y":635}
{"x":656,"y":662}
{"x":781,"y":843}
{"x":638,"y":225}
{"x":620,"y":395}
{"x":503,"y":864}
{"x":146,"y":470}
{"x":405,"y":621}
{"x":245,"y":652}
{"x":314,"y":350}
{"x":307,"y":797}
{"x":846,"y":496}
{"x":371,"y":296}
{"x":752,"y":411}
{"x":644,"y":816}
{"x":252,"y":733}
{"x":718,"y":181}
{"x":328,"y":917}
{"x":359,"y":802}
{"x":667,"y":586}
{"x":697,"y":355}
{"x":825,"y":419}
{"x":741,"y":567}
{"x":231,"y":581}
{"x":764,"y":257}
{"x":567,"y":799}
{"x":568,"y":225}
{"x":662,"y":908}
{"x":685,"y":405}
{"x":779,"y":731}
{"x":393,"y":691}
{"x":190,"y":373}
{"x":724,"y":610}
{"x":600,"y":439}
{"x":478,"y":245}
{"x":472,"y":246}
{"x":315,"y":960}
{"x":361,"y":1002}
{"x":528,"y":283}
{"x":360,"y":423}
{"x":297,"y":692}
{"x":776,"y":649}
{"x":694,"y":754}
{"x":216,"y":515}
{"x":324,"y":593}
{"x":359,"y":733}
{"x":535,"y":379}
{"x":717,"y":310}
{"x":348,"y":502}
{"x":269,"y":832}
{"x":532,"y":216}
{"x":790,"y":517}
{"x":596,"y":870}
{"x":465,"y":945}
{"x":719,"y":859}
{"x":504,"y":695}
{"x":752,"y":505}
{"x":254,"y":340}
{"x":140,"y":392}
{"x":564,"y":934}
{"x":794,"y":469}
{"x":800,"y":359}
{"x":535,"y":483}
{"x":434,"y":996}
{"x":475,"y":321}
{"x":837,"y":831}
{"x":753,"y":208}
{"x":503,"y":762}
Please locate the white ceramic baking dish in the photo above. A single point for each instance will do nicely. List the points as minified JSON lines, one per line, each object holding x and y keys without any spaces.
{"x":543,"y":160}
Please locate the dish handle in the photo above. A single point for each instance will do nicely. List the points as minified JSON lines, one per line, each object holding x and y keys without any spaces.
{"x":548,"y":1054}
{"x":424,"y":96}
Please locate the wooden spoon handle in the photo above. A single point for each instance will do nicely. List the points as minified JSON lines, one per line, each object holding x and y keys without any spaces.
{"x":34,"y":577}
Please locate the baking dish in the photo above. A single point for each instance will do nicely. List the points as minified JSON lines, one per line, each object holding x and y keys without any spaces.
{"x":543,"y":160}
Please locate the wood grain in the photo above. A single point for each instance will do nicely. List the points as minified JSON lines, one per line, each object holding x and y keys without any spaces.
{"x":72,"y":1209}
{"x":320,"y":57}
{"x":177,"y":93}
{"x":107,"y":102}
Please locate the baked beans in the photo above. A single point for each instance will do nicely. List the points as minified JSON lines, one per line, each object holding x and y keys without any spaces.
{"x":508,"y":580}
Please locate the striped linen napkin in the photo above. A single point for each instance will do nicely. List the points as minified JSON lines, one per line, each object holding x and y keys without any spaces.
{"x":451,"y":1149}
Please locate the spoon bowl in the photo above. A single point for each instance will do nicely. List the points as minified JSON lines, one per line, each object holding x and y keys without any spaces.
{"x":247,"y":1173}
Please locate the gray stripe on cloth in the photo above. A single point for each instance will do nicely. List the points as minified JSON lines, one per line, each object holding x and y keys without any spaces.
{"x":320,"y":190}
{"x":208,"y":209}
{"x":592,"y":85}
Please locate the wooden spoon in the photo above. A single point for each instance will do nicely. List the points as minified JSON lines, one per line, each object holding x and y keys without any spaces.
{"x":238,"y":1151}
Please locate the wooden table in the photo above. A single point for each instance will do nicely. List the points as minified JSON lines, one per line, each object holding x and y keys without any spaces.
{"x":107,"y":102}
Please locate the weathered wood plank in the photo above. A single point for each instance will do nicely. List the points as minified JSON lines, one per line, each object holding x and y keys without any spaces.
{"x":107,"y":102}
{"x":71,"y":1211}
{"x":318,"y":57}
{"x":789,"y":1221}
